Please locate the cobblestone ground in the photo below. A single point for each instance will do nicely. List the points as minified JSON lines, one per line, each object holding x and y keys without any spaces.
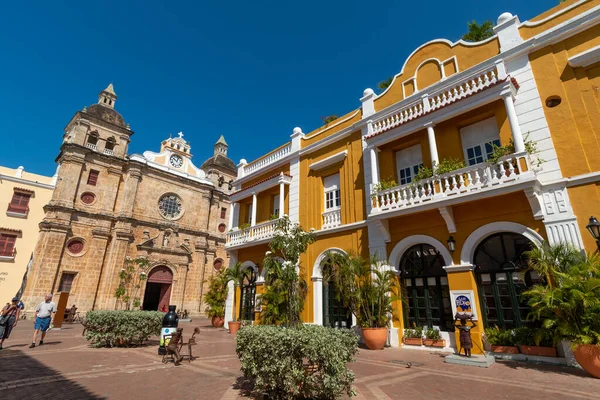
{"x":66,"y":367}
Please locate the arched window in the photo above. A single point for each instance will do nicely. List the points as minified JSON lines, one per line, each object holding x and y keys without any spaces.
{"x":425,"y":285}
{"x":335,"y":315}
{"x":501,"y":264}
{"x":92,"y":139}
{"x":247,"y":296}
{"x":110,"y":144}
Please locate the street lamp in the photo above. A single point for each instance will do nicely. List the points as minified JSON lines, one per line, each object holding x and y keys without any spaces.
{"x":594,"y":228}
{"x":452,"y":244}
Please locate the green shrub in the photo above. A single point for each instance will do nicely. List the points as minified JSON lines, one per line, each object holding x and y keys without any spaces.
{"x":530,"y":336}
{"x":384,"y":184}
{"x":500,"y":337}
{"x":275,"y":360}
{"x":432,"y":334}
{"x":414,"y":333}
{"x":217,"y":294}
{"x":121,"y":328}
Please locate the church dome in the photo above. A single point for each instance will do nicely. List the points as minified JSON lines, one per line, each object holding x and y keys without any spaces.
{"x":221,"y":161}
{"x":106,"y":114}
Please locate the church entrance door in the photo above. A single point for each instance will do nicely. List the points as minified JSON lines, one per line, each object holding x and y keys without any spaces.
{"x":158,"y":289}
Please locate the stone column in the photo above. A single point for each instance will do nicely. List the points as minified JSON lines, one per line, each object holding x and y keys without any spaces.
{"x":132,"y":181}
{"x":514,"y":123}
{"x":435,"y":160}
{"x":254,"y":204}
{"x":89,"y":276}
{"x":281,"y":199}
{"x":69,"y":176}
{"x":374,"y":165}
{"x":113,"y":262}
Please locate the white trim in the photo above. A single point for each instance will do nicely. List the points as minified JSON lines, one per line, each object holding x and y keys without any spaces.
{"x":329,"y":161}
{"x":479,"y":234}
{"x":11,"y":258}
{"x":556,"y":14}
{"x":26,"y":182}
{"x":585,"y":58}
{"x":331,"y":139}
{"x":459,"y":268}
{"x":403,"y":245}
{"x":17,"y":214}
{"x":317,"y":278}
{"x":152,"y":164}
{"x":268,"y":184}
{"x":341,"y":228}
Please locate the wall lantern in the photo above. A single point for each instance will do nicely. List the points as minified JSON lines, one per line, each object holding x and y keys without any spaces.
{"x":594,"y":228}
{"x":452,"y":243}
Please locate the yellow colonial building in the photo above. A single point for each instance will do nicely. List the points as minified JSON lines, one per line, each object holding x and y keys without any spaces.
{"x":459,"y":233}
{"x":23,"y":196}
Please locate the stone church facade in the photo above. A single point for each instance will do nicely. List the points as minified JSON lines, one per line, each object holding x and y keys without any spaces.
{"x":109,"y":206}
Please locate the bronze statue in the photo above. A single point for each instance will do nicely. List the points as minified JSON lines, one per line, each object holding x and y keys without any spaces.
{"x":465,"y":332}
{"x":192,"y":342}
{"x":174,"y":344}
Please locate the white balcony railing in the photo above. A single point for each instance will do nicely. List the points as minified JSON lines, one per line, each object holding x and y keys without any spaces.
{"x":451,"y":91}
{"x":260,"y":231}
{"x":91,"y":146}
{"x":507,"y":171}
{"x":109,"y":152}
{"x":331,"y":219}
{"x":268,"y":159}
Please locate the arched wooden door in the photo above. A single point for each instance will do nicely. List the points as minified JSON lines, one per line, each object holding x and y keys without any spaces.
{"x":158,"y":289}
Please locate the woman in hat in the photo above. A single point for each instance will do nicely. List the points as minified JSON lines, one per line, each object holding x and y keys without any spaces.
{"x":8,"y":320}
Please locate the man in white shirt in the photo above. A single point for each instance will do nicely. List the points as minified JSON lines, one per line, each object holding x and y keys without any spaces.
{"x":44,"y":315}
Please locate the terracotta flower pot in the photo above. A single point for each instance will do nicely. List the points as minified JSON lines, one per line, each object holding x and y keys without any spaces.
{"x":505,"y":349}
{"x":538,"y":351}
{"x":217,"y":322}
{"x":234,"y":327}
{"x":374,"y":338}
{"x":588,"y":356}
{"x":413,"y":341}
{"x":435,"y":343}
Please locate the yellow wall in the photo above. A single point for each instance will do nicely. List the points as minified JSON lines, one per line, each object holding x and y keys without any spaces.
{"x":11,"y":272}
{"x":528,"y":32}
{"x":331,"y":128}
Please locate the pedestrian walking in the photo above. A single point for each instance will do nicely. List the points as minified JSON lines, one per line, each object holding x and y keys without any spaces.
{"x":8,"y":320}
{"x":44,"y":315}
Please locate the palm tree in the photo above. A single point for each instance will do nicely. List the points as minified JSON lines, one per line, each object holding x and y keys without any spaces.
{"x":385,"y":83}
{"x":477,"y":32}
{"x":237,"y":274}
{"x":553,"y":261}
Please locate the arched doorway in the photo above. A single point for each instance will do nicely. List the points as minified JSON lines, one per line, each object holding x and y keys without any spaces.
{"x":425,"y":285}
{"x":501,"y":263}
{"x":335,"y":315}
{"x":158,"y":289}
{"x":248,"y":296}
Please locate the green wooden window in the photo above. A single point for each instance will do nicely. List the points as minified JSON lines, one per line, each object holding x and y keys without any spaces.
{"x":335,"y":315}
{"x":248,"y":295}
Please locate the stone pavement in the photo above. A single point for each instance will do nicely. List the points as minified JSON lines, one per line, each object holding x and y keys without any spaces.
{"x":66,"y":367}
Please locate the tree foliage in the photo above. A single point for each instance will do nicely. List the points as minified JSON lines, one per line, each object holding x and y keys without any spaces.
{"x":237,"y":274}
{"x":284,"y":290}
{"x":365,"y":288}
{"x":217,"y":294}
{"x":385,"y":83}
{"x":131,"y":277}
{"x":478,"y":32}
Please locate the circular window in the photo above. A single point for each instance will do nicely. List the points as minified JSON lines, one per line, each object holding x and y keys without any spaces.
{"x":218,"y":264}
{"x":170,"y":206}
{"x":75,"y":247}
{"x":553,"y":101}
{"x":88,"y":198}
{"x":222,"y":228}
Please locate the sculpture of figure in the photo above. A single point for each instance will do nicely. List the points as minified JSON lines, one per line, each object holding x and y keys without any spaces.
{"x":165,"y":239}
{"x":465,"y":332}
{"x":173,"y":346}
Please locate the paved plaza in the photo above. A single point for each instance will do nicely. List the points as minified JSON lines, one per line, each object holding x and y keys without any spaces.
{"x":66,"y":367}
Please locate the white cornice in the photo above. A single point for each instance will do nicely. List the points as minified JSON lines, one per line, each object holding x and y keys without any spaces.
{"x":329,"y":161}
{"x":261,"y":187}
{"x":27,"y":182}
{"x":556,"y":14}
{"x":585,"y":58}
{"x":341,"y":121}
{"x":341,"y":228}
{"x":143,"y":160}
{"x":459,"y":268}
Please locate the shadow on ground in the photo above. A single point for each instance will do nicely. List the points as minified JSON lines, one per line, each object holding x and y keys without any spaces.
{"x":24,"y":377}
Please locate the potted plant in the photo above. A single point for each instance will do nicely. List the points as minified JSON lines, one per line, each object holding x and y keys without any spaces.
{"x":535,"y":341}
{"x":215,"y":298}
{"x":237,"y":274}
{"x":568,"y":304}
{"x":413,"y":337}
{"x":367,"y":290}
{"x":432,"y":338}
{"x":501,"y":340}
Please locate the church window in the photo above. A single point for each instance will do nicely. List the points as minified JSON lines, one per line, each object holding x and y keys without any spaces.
{"x":66,"y":282}
{"x":88,"y":198}
{"x":222,"y":228}
{"x":223,"y":212}
{"x":218,"y":264}
{"x":110,"y":144}
{"x":93,"y":177}
{"x":170,"y":206}
{"x":75,"y":246}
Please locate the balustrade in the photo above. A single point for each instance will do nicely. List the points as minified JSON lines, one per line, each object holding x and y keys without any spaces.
{"x":331,"y":219}
{"x":260,"y":231}
{"x":268,"y":159}
{"x":506,"y":171}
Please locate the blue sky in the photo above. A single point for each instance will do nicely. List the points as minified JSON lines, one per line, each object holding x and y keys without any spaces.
{"x":251,"y":71}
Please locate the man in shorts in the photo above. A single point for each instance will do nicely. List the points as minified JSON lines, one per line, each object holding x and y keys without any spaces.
{"x":44,"y":315}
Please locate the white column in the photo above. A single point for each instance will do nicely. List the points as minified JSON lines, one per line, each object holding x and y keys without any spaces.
{"x":318,"y":300}
{"x":435,"y":160}
{"x":231,"y":213}
{"x":374,"y":166}
{"x":514,"y":124}
{"x":281,"y":198}
{"x":253,"y":220}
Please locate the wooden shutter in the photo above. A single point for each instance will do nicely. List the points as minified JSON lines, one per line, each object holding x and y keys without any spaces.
{"x":20,"y":199}
{"x":93,"y":177}
{"x":66,"y":281}
{"x":7,"y":244}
